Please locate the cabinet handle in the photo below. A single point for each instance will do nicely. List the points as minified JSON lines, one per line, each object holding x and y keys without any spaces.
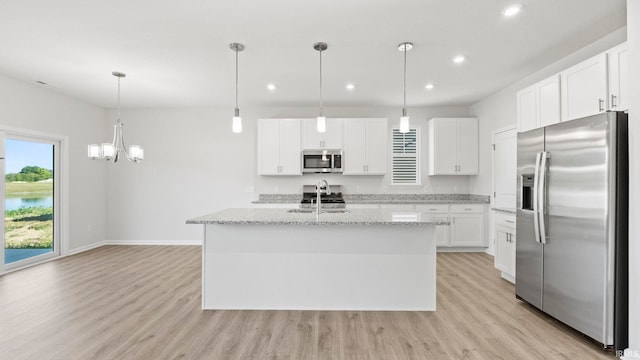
{"x":613,"y":101}
{"x":509,"y":221}
{"x":433,"y":209}
{"x":468,"y":209}
{"x":601,"y":105}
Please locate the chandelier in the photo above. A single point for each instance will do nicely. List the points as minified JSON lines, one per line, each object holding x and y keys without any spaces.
{"x":112,"y":151}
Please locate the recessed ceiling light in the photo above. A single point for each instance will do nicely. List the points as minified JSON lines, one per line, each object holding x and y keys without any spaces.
{"x":428,"y":86}
{"x":512,"y":10}
{"x":458,"y":59}
{"x":350,"y":86}
{"x":271,"y":87}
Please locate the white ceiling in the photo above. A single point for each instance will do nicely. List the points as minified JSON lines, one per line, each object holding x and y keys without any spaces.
{"x":176,"y":53}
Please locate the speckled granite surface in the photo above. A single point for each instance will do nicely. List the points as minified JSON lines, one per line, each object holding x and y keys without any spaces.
{"x":353,"y":217}
{"x":505,"y":211}
{"x":383,"y":198}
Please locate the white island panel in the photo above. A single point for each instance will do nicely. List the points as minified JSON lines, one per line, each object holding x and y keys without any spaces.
{"x":347,"y":267}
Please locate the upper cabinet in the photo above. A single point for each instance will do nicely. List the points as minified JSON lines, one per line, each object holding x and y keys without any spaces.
{"x":279,"y":147}
{"x":584,"y":88}
{"x":593,"y":86}
{"x":330,"y":139}
{"x":539,"y":104}
{"x":453,"y":146}
{"x":618,"y":77}
{"x":365,"y":146}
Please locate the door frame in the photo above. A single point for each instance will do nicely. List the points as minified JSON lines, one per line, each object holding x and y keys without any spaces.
{"x":61,"y":184}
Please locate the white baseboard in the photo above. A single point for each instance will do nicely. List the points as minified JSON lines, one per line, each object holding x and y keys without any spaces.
{"x":153,"y":242}
{"x":85,"y":248}
{"x":461,"y":249}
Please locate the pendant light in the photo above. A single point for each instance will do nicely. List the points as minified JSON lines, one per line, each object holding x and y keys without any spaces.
{"x":236,"y":125}
{"x":321,"y":120}
{"x":404,"y":120}
{"x":112,"y":151}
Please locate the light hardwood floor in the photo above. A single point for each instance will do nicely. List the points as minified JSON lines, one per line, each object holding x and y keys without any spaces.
{"x":143,"y":302}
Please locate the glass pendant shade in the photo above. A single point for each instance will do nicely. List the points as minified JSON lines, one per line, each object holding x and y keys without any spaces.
{"x":404,"y":124}
{"x":136,"y":152}
{"x":107,"y":150}
{"x":321,"y":124}
{"x":93,"y":151}
{"x":236,"y":125}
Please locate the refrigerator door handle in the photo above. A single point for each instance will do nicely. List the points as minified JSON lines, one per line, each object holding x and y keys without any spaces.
{"x":536,"y":218}
{"x":542,"y":201}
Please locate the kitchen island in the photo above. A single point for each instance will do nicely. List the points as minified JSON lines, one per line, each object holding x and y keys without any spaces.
{"x":364,"y":259}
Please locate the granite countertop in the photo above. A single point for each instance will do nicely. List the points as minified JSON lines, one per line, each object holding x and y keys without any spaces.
{"x":383,"y":199}
{"x":352,"y":217}
{"x":505,"y":210}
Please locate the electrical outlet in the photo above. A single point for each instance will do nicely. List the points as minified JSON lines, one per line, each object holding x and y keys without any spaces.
{"x":249,"y":189}
{"x":276,"y":189}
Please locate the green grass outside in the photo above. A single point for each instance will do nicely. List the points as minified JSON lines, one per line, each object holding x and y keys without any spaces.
{"x":32,"y":227}
{"x":36,"y":189}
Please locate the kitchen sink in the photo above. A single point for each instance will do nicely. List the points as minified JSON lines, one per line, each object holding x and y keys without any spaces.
{"x":323,"y":211}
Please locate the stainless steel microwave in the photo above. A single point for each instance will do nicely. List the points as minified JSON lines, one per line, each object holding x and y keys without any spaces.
{"x":322,"y":161}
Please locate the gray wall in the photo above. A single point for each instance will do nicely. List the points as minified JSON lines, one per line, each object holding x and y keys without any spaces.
{"x":33,"y":108}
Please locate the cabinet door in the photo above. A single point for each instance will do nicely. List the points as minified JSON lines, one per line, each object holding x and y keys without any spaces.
{"x":442,"y":146}
{"x":505,"y":249}
{"x":290,"y":161}
{"x":504,"y":169}
{"x":584,"y":88}
{"x":354,"y":153}
{"x":330,"y":139}
{"x":527,"y":109}
{"x":467,"y":146}
{"x":548,"y":101}
{"x":333,"y":137}
{"x":618,"y":78}
{"x":442,"y":235}
{"x":466,"y":230}
{"x":311,"y":138}
{"x":376,"y":137}
{"x":268,"y":146}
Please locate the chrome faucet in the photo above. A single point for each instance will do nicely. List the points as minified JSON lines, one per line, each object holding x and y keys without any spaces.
{"x":321,"y":187}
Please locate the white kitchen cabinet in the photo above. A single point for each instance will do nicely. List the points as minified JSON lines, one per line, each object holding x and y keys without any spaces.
{"x":505,"y":237}
{"x":330,"y":139}
{"x":618,"y":61}
{"x":467,"y":225}
{"x":365,"y":146}
{"x":584,"y":88}
{"x":504,"y":168}
{"x":279,"y":147}
{"x":539,"y":104}
{"x":442,"y":233}
{"x":453,"y":146}
{"x":527,"y":109}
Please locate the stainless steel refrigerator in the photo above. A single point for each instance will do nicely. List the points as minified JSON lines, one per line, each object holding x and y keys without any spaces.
{"x":572,"y":246}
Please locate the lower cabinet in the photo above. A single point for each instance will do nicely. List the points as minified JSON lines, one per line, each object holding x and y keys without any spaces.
{"x":466,"y":229}
{"x":467,"y":225}
{"x":505,"y":236}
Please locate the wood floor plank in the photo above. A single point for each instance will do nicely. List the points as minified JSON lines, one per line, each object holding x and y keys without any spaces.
{"x":143,"y":302}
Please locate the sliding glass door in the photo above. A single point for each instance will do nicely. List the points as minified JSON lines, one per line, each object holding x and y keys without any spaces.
{"x":30,"y":201}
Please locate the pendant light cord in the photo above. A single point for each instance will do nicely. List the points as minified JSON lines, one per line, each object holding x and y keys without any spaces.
{"x":321,"y":107}
{"x":236,"y":78}
{"x":404,"y":101}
